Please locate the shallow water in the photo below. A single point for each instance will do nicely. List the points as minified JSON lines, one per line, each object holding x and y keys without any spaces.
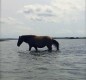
{"x":67,"y":64}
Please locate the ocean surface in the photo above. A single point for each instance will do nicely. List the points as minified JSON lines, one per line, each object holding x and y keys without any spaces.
{"x":17,"y":63}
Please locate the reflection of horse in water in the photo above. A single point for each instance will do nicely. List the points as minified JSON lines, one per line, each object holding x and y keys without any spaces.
{"x":38,"y":41}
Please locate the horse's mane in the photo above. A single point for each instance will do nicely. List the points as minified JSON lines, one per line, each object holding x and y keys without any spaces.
{"x":25,"y":37}
{"x":28,"y":35}
{"x":31,"y":36}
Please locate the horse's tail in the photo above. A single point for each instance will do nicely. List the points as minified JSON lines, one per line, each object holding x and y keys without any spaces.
{"x":56,"y":44}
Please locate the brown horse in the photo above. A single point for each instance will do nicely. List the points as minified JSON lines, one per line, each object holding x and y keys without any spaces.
{"x":38,"y":41}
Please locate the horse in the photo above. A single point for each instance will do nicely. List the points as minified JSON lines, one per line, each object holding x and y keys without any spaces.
{"x":38,"y":42}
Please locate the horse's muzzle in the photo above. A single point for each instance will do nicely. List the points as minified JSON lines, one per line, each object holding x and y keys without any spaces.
{"x":18,"y":45}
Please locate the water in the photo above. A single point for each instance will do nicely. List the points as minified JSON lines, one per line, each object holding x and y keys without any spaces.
{"x":67,"y":64}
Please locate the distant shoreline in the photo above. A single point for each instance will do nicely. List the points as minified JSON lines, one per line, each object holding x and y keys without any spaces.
{"x":69,"y":37}
{"x":6,"y":39}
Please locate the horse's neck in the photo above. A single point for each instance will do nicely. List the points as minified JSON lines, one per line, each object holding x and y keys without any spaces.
{"x":26,"y":40}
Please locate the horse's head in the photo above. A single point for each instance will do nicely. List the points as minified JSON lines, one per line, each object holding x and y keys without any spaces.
{"x":20,"y":40}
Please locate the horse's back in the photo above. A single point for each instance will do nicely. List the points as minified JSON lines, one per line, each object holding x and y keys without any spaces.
{"x":43,"y":38}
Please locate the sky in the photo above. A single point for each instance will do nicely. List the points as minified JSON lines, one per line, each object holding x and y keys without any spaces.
{"x":56,"y":18}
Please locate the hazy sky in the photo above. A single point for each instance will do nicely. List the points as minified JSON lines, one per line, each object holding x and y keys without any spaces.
{"x":43,"y":17}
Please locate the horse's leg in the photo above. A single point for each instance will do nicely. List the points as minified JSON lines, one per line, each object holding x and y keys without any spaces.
{"x":49,"y":48}
{"x":30,"y":48}
{"x":36,"y":48}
